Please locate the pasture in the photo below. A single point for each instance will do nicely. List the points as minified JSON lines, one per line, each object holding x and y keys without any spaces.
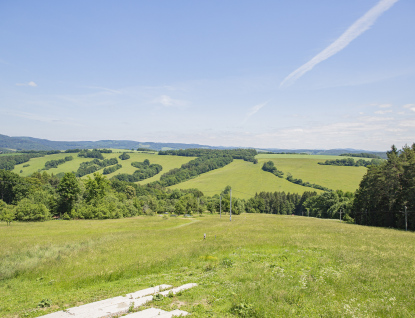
{"x":256,"y":266}
{"x":167,"y":162}
{"x":246,"y":178}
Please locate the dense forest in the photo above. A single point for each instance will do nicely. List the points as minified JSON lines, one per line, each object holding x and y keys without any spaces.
{"x":387,"y":190}
{"x":362,"y":155}
{"x":350,"y":162}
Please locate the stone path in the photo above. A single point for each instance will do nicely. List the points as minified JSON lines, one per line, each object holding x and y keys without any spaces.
{"x":120,"y":305}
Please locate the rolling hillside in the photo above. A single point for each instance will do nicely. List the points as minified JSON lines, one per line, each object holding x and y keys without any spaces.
{"x":245,"y":178}
{"x":167,"y":162}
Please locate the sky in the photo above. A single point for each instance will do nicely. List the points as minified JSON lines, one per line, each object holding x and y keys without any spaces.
{"x":295,"y":74}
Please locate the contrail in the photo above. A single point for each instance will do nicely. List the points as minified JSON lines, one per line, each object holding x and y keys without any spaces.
{"x":253,"y":111}
{"x":357,"y":28}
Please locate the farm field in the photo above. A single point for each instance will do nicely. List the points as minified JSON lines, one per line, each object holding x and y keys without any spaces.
{"x":167,"y":162}
{"x":257,"y":266}
{"x":307,"y":168}
{"x":244,"y":177}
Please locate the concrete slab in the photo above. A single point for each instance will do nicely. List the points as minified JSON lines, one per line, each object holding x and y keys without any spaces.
{"x":178,"y":289}
{"x":149,"y":291}
{"x":118,"y":305}
{"x":176,"y":313}
{"x":148,"y":313}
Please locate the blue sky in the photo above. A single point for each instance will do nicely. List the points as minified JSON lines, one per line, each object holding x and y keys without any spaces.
{"x":268,"y":74}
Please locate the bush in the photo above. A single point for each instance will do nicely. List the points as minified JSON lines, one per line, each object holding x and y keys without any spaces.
{"x":347,"y":218}
{"x":27,"y":210}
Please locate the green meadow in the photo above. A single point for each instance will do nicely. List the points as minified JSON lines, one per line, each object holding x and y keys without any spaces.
{"x":307,"y":168}
{"x":167,"y":162}
{"x":244,"y":177}
{"x":247,"y":178}
{"x":258,"y":265}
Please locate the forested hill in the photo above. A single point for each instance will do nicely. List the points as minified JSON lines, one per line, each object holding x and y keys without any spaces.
{"x":29,"y":143}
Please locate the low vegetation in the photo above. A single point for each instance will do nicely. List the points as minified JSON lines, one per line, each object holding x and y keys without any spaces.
{"x":258,"y":265}
{"x":350,"y":162}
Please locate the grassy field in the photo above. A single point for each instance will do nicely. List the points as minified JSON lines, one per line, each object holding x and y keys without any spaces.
{"x":244,"y":177}
{"x":256,"y":266}
{"x":308,"y":169}
{"x":167,"y":162}
{"x":298,"y":156}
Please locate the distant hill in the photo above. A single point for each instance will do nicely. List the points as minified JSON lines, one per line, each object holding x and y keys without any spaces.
{"x":30,"y":143}
{"x":330,"y":152}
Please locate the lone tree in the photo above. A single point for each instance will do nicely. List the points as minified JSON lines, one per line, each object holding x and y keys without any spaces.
{"x":7,"y":213}
{"x":69,"y":190}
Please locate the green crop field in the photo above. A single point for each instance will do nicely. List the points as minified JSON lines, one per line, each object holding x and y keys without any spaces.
{"x":255,"y":266}
{"x":307,"y":168}
{"x":244,"y":177}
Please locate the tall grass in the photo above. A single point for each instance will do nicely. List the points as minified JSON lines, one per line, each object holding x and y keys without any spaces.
{"x":254,"y":266}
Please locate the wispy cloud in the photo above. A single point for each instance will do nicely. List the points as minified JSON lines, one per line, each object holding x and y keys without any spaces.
{"x":356,"y":29}
{"x":253,"y":111}
{"x":385,"y":105}
{"x":32,"y":84}
{"x":168,"y":101}
{"x":109,"y":90}
{"x":382,"y":112}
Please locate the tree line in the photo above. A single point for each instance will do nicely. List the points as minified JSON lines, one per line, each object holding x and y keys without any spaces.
{"x":208,"y":160}
{"x":386,"y":190}
{"x":350,"y":162}
{"x":55,"y":163}
{"x":94,"y":165}
{"x":112,"y":169}
{"x":144,"y":171}
{"x":43,"y":196}
{"x":244,"y":154}
{"x":270,"y":167}
{"x":361,"y":155}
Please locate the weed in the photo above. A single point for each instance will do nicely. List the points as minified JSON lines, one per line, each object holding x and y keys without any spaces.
{"x":132,"y":307}
{"x":158,"y":297}
{"x":226,"y":262}
{"x":243,"y":310}
{"x":44,"y":303}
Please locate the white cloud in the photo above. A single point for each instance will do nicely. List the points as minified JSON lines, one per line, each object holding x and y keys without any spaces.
{"x":410,"y":107}
{"x":253,"y":111}
{"x":167,"y":101}
{"x":356,"y":29}
{"x":31,"y":83}
{"x":385,"y":105}
{"x":381,"y":112}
